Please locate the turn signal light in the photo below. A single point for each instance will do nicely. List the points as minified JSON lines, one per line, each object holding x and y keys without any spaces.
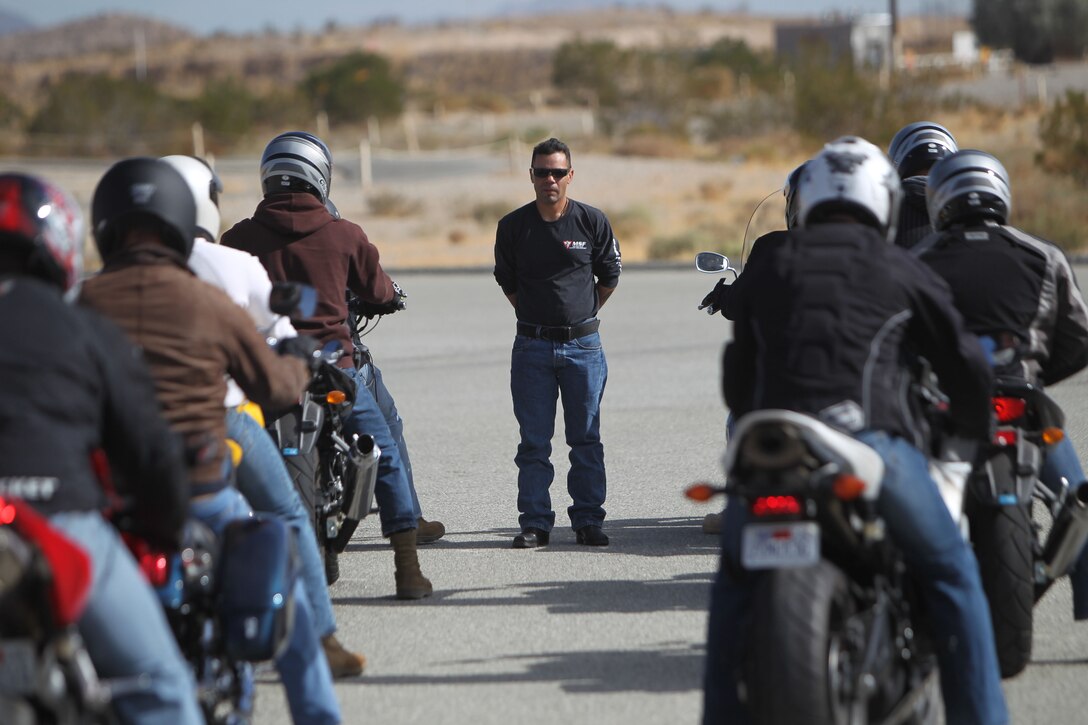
{"x":848,"y":487}
{"x":335,"y":397}
{"x":776,"y":506}
{"x":700,"y":492}
{"x":1053,"y":435}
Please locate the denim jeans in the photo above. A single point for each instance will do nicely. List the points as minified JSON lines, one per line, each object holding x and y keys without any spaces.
{"x":1061,"y":462}
{"x":372,"y":374}
{"x":126,"y":632}
{"x":541,"y":371}
{"x":303,"y":668}
{"x":942,"y":564}
{"x":397,"y":507}
{"x":264,"y":481}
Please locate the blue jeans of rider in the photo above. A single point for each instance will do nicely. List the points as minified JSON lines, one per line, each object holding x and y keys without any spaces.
{"x":918,"y":521}
{"x":125,"y":630}
{"x":372,"y":374}
{"x":1061,"y":462}
{"x":540,"y":372}
{"x":397,"y":504}
{"x":264,"y":481}
{"x":303,"y":668}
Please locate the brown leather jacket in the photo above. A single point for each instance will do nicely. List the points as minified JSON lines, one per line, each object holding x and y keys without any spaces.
{"x":191,"y":334}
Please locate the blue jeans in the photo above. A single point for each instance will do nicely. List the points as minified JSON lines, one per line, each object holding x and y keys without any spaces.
{"x":303,"y":668}
{"x":1061,"y":462}
{"x":541,"y":371}
{"x":126,"y":632}
{"x":372,"y":374}
{"x":397,"y":505}
{"x":942,"y":564}
{"x":264,"y":481}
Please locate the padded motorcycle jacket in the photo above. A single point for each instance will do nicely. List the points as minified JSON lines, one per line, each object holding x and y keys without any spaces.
{"x":192,"y":334}
{"x":1004,"y":280}
{"x":70,"y":384}
{"x":824,"y":319}
{"x":298,"y":240}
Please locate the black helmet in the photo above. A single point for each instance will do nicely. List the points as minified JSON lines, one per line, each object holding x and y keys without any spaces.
{"x":297,"y":161}
{"x":917,"y":146}
{"x":44,"y":222}
{"x":968,"y":186}
{"x":143,"y":190}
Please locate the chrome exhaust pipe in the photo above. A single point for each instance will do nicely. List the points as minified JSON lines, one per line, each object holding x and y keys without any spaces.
{"x":1067,"y":536}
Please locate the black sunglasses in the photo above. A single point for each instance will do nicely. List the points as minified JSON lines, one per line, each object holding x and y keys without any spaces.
{"x":545,"y":173}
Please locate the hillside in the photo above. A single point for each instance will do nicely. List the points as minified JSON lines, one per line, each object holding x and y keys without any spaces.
{"x":12,"y":23}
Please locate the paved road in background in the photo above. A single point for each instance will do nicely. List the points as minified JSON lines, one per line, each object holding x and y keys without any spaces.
{"x":565,"y":634}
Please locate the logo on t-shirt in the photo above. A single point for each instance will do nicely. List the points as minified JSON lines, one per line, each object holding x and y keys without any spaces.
{"x":575,"y":245}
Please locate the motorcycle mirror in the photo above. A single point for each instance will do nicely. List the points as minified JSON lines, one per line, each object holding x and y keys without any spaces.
{"x":332,"y":351}
{"x":711,"y":262}
{"x":292,"y":299}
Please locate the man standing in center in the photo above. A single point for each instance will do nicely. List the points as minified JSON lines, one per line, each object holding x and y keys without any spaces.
{"x":558,"y":262}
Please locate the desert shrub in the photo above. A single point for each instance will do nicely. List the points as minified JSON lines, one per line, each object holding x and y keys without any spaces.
{"x":488,"y":213}
{"x":355,"y":87}
{"x":1063,"y":133}
{"x":392,"y":204}
{"x":631,"y":222}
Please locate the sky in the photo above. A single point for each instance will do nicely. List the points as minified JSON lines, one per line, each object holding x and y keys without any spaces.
{"x":240,"y":16}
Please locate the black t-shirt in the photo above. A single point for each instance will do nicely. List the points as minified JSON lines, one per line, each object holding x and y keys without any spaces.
{"x":551,"y":266}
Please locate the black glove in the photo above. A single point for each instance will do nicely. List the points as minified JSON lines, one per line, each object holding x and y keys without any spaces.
{"x":304,"y":347}
{"x":372,"y":309}
{"x":715,"y":299}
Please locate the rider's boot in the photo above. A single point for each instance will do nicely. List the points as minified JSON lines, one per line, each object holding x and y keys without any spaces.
{"x":428,"y":532}
{"x":411,"y":584}
{"x":342,"y":662}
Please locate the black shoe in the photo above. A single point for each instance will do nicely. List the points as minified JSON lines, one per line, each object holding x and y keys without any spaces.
{"x":531,"y":538}
{"x":591,"y":536}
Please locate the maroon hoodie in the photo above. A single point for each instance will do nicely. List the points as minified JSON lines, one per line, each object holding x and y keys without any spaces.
{"x":297,"y":240}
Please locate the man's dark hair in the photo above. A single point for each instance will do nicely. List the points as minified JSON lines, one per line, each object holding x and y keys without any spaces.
{"x":549,"y":147}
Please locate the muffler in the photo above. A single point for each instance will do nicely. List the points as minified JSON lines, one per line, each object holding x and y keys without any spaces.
{"x":1067,"y":536}
{"x":359,"y":491}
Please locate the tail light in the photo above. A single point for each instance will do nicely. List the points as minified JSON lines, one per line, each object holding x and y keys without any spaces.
{"x":1009,"y":409}
{"x":776,"y":506}
{"x":7,"y":513}
{"x":1006,"y":437}
{"x":154,"y":565}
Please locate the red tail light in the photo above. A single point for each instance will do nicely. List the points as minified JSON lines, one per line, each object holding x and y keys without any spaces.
{"x":156,"y":567}
{"x":1009,"y":409}
{"x":7,"y":513}
{"x":776,"y":506}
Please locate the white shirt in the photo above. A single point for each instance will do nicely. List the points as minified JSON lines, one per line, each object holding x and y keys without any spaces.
{"x":245,"y":281}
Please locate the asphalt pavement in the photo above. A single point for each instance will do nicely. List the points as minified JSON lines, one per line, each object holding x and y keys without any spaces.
{"x":566,"y":633}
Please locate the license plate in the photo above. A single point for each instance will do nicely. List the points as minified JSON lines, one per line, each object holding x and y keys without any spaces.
{"x":18,"y":664}
{"x":781,"y":545}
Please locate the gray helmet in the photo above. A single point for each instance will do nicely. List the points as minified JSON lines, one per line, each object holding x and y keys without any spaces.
{"x":297,"y":161}
{"x":917,"y":146}
{"x":968,"y":186}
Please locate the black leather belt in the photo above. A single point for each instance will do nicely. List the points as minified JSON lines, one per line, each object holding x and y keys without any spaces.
{"x":559,"y":334}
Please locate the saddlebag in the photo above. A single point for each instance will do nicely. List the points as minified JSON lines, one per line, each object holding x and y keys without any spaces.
{"x":257,"y":575}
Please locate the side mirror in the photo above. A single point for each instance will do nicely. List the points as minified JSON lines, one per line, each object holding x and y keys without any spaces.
{"x":711,"y":262}
{"x":293,"y":300}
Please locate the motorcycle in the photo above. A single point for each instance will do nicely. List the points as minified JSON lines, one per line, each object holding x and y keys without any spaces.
{"x":1018,"y":564}
{"x":46,"y":675}
{"x":335,"y":474}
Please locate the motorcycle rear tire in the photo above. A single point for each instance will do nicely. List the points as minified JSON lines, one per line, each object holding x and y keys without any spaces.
{"x":1003,"y":538}
{"x":795,"y":633}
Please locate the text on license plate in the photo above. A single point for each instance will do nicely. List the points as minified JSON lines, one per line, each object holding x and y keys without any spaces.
{"x":780,"y":545}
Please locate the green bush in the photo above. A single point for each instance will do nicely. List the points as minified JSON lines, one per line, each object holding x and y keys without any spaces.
{"x":355,"y":87}
{"x":1063,"y":133}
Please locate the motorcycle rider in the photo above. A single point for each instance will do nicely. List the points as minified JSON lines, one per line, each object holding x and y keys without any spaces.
{"x":297,"y":238}
{"x":1007,"y":281}
{"x":71,"y":384}
{"x":913,"y":150}
{"x":262,"y":476}
{"x":193,"y":335}
{"x":822,"y":314}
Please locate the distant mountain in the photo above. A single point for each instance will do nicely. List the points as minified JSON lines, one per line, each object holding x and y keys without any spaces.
{"x":12,"y":23}
{"x":89,"y":35}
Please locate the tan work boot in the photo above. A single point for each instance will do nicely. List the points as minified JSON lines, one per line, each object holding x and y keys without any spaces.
{"x":411,"y":584}
{"x":428,"y":532}
{"x":342,"y":663}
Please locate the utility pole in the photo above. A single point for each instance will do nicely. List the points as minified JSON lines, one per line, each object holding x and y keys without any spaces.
{"x":893,"y":9}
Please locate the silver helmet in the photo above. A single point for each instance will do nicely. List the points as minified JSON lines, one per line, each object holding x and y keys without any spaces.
{"x":917,"y":146}
{"x":852,"y":176}
{"x":968,"y":186}
{"x":297,"y":161}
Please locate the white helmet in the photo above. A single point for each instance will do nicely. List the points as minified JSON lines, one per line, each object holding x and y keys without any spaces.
{"x":968,"y":186}
{"x":853,"y":176}
{"x":297,"y":161}
{"x":206,"y":187}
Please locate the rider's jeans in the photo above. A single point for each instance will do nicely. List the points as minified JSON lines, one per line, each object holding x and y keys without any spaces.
{"x":541,"y":371}
{"x":944,"y":567}
{"x":125,"y":630}
{"x":264,"y":481}
{"x":303,"y":668}
{"x":393,"y":492}
{"x":1061,"y":462}
{"x":372,"y":374}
